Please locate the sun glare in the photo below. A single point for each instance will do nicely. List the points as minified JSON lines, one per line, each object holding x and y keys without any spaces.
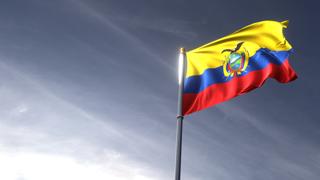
{"x":34,"y":166}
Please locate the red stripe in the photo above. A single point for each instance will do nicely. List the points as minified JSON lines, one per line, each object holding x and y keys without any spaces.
{"x":218,"y":93}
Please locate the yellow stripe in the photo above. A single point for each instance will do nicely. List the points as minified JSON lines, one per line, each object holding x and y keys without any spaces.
{"x":264,"y":34}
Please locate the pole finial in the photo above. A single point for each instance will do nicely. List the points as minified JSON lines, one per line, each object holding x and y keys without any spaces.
{"x":182,"y":50}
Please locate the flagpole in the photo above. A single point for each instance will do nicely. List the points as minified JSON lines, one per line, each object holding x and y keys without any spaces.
{"x":182,"y":69}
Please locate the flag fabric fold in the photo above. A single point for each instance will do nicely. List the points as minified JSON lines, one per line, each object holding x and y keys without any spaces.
{"x":236,"y":64}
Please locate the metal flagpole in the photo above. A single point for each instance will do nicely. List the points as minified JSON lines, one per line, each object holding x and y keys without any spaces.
{"x":182,"y":69}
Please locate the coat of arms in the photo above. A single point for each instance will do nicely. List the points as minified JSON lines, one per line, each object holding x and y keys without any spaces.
{"x":236,"y":61}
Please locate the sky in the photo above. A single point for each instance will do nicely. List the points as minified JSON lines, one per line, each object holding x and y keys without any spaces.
{"x":88,"y":90}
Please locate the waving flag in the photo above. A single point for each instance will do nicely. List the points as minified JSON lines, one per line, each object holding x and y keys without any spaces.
{"x":236,"y":64}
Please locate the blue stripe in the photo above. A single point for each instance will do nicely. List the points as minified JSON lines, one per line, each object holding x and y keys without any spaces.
{"x":260,"y":60}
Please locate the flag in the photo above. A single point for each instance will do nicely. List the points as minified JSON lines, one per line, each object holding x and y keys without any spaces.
{"x":236,"y":64}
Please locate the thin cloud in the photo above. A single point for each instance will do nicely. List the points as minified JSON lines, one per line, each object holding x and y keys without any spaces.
{"x":64,"y":132}
{"x":117,"y":29}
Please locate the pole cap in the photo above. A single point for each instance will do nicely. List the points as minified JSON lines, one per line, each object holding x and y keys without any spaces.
{"x":182,"y":50}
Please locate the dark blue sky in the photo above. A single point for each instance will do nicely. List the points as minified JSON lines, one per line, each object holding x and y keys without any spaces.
{"x":88,"y":90}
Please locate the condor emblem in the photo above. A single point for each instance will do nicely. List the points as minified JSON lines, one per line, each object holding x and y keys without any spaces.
{"x":236,"y":61}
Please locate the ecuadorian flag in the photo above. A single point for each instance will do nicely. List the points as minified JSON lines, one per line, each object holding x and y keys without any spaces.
{"x":236,"y":64}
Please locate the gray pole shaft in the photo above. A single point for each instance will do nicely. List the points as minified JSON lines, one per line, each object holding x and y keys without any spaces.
{"x":180,"y":115}
{"x":179,"y":147}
